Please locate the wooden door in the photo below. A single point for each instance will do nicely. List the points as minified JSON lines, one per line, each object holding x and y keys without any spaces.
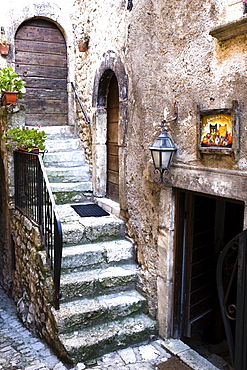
{"x":200,"y":286}
{"x":112,"y":140}
{"x":195,"y":278}
{"x":41,"y":60}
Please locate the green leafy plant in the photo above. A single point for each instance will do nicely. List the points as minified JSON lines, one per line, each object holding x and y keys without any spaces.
{"x":25,"y":137}
{"x":10,"y":81}
{"x":85,"y":38}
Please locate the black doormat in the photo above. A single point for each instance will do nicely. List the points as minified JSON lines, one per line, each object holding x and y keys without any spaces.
{"x":89,"y":210}
{"x":172,"y":363}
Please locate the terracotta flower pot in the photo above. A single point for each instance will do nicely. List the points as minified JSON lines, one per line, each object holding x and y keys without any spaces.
{"x":9,"y":97}
{"x":4,"y":48}
{"x":82,"y":45}
{"x":34,"y":150}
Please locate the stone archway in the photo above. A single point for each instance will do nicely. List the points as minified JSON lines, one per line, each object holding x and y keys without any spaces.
{"x":110,"y":65}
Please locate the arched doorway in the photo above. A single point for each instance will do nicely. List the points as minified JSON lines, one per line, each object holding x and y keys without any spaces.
{"x":41,"y":60}
{"x":112,"y":186}
{"x":110,"y":100}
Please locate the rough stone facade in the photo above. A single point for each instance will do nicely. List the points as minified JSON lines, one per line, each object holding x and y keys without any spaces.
{"x":168,"y":55}
{"x":25,"y":273}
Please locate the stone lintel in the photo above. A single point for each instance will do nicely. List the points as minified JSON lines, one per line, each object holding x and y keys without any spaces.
{"x":214,"y":181}
{"x":230,"y":30}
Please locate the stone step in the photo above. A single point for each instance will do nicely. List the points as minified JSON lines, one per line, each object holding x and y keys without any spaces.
{"x":95,"y":255}
{"x":75,"y":192}
{"x":108,"y":337}
{"x":73,"y":158}
{"x":62,"y":145}
{"x":98,"y":281}
{"x":68,"y":174}
{"x":59,"y":132}
{"x":82,"y":230}
{"x":84,"y":312}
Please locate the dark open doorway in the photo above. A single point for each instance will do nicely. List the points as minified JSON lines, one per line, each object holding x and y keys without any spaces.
{"x":204,"y":225}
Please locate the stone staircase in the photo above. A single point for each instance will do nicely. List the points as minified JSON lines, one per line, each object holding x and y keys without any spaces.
{"x":66,"y":166}
{"x":100,"y":309}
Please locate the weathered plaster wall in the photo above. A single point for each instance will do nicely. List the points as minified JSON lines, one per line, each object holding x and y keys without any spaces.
{"x":168,"y":55}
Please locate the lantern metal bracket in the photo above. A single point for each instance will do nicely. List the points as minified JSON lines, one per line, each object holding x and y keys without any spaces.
{"x":159,"y":176}
{"x":175,"y":117}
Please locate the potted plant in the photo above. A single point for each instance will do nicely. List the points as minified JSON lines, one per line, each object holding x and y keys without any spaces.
{"x":25,"y":138}
{"x":11,"y":86}
{"x":83,"y":43}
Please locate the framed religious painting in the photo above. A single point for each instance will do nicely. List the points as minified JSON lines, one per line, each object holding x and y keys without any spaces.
{"x":218,"y":131}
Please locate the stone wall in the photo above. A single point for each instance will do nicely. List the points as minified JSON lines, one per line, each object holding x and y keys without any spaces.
{"x":33,"y":288}
{"x":12,"y":115}
{"x":25,"y":273}
{"x":5,"y":238}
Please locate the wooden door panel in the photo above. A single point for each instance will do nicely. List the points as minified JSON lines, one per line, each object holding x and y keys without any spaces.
{"x":112,"y":149}
{"x":46,"y":83}
{"x":200,"y":294}
{"x":40,"y":30}
{"x":199,"y":262}
{"x":205,"y":277}
{"x":112,"y":133}
{"x":199,"y":322}
{"x":201,"y":253}
{"x":113,"y":163}
{"x":113,"y":115}
{"x":46,"y":106}
{"x":40,"y":47}
{"x":112,"y":141}
{"x":113,"y":189}
{"x":45,"y":72}
{"x":45,"y":94}
{"x":46,"y":119}
{"x":41,"y":59}
{"x":113,"y":177}
{"x":200,"y":307}
{"x":201,"y":265}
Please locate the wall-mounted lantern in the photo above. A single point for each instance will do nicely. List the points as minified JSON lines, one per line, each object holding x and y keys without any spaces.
{"x":163,"y":150}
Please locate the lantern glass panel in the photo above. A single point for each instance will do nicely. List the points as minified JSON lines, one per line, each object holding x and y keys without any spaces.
{"x":156,"y":158}
{"x":165,"y":158}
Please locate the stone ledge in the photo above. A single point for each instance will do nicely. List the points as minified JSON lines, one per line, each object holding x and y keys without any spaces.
{"x":230,"y":30}
{"x":188,"y":356}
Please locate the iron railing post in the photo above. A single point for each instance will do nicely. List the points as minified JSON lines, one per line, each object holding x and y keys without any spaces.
{"x":34,"y":198}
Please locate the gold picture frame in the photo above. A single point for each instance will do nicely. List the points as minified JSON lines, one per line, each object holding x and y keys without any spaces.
{"x":216,"y":131}
{"x":219,"y":130}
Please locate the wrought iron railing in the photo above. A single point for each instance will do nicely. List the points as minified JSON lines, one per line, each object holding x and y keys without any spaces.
{"x":80,"y":103}
{"x":34,"y":198}
{"x":232,"y":291}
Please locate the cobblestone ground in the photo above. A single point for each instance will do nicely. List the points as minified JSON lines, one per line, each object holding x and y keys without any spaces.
{"x":21,"y":350}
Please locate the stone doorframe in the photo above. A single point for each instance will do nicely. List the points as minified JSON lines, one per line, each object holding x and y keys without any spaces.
{"x":110,"y":64}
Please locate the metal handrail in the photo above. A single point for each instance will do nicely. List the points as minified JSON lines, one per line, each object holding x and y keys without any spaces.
{"x":34,"y":198}
{"x":232,"y":293}
{"x":80,"y":103}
